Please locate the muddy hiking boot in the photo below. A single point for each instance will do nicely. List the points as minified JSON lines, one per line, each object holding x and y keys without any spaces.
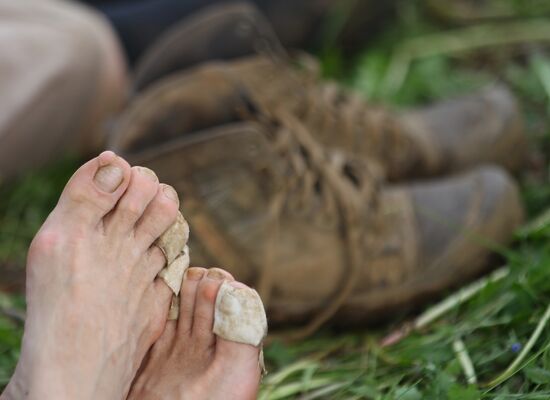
{"x":314,"y":228}
{"x":449,"y":136}
{"x":445,"y":137}
{"x":284,"y":178}
{"x":228,"y":30}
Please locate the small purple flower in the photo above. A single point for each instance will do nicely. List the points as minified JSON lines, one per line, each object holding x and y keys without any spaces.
{"x":516,"y":347}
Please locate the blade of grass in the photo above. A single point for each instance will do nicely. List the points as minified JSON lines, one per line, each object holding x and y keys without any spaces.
{"x":538,"y":224}
{"x":443,"y":307}
{"x":512,"y":368}
{"x":465,"y":361}
{"x":461,"y":40}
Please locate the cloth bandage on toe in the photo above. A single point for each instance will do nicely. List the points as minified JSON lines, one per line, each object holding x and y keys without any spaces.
{"x":174,"y":312}
{"x":173,"y":241}
{"x":173,"y":273}
{"x":173,"y":244}
{"x":239,"y":315}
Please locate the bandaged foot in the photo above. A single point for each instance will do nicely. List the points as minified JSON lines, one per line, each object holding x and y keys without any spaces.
{"x":239,"y":312}
{"x":190,"y":361}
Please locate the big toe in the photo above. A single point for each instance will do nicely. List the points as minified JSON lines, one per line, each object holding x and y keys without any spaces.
{"x":235,"y":350}
{"x":94,"y":189}
{"x":240,"y":355}
{"x":244,"y":360}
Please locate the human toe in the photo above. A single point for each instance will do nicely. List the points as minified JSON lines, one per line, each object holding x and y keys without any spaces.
{"x":188,"y":294}
{"x":203,"y":318}
{"x":142,"y":188}
{"x":159,"y":215}
{"x":94,"y":189}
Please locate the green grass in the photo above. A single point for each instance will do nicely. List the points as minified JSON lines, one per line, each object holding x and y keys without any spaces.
{"x":424,"y":365}
{"x":24,"y":205}
{"x":493,"y":326}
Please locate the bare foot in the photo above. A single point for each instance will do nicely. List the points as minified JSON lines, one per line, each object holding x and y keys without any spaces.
{"x":189,"y":361}
{"x":94,"y":307}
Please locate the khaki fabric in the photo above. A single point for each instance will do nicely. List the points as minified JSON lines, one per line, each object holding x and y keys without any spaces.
{"x":53,"y":64}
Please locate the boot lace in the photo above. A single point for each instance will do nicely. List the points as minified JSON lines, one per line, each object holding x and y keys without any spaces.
{"x":327,"y":185}
{"x":339,"y":117}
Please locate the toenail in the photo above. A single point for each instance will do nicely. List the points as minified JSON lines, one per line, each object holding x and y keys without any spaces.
{"x":238,"y":285}
{"x":216,"y":274}
{"x":194,"y":274}
{"x":109,"y":178}
{"x":147,"y":172}
{"x":170,"y":192}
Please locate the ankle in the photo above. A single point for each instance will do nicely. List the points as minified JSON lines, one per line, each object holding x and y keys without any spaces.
{"x":39,"y":383}
{"x":16,"y":389}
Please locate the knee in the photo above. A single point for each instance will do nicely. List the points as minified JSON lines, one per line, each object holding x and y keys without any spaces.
{"x":91,"y":47}
{"x":64,"y":72}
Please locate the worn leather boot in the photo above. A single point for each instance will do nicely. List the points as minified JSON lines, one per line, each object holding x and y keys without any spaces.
{"x":451,"y":136}
{"x":446,"y":137}
{"x":314,"y":230}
